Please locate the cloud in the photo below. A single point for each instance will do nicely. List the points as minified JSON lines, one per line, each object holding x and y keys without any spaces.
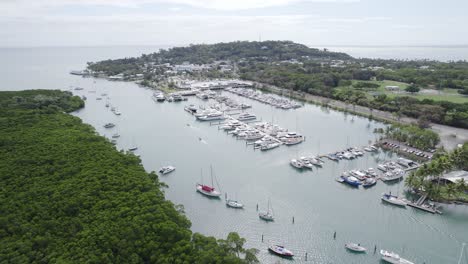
{"x":224,"y":5}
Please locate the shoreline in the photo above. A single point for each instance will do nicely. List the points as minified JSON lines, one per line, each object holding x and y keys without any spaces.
{"x":450,"y":137}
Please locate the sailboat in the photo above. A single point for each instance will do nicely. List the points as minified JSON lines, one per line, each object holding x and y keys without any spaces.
{"x":208,"y":190}
{"x":233,"y":203}
{"x":268,"y":215}
{"x":133,"y":147}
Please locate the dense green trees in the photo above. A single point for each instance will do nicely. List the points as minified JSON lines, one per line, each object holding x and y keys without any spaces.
{"x":414,"y":136}
{"x":426,"y":177}
{"x":68,"y":196}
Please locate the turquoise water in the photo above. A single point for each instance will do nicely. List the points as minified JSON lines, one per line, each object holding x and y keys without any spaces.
{"x":319,"y":205}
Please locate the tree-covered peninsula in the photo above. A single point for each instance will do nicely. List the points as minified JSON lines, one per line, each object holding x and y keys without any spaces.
{"x":68,"y":196}
{"x":431,"y":91}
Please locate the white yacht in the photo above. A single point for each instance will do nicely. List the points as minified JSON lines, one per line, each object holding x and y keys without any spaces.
{"x":268,"y":215}
{"x":316,"y":162}
{"x":160,"y":97}
{"x":348,"y":155}
{"x":306,"y":162}
{"x":355,"y":247}
{"x":393,"y":258}
{"x":202,"y":96}
{"x":212,"y":117}
{"x":166,"y":169}
{"x":269,"y":145}
{"x":393,"y":175}
{"x":109,"y":125}
{"x":292,"y":138}
{"x":246,"y":117}
{"x":253,"y":135}
{"x":296,"y":164}
{"x":234,"y":204}
{"x":177,"y":97}
{"x":393,"y":199}
{"x":116,"y":135}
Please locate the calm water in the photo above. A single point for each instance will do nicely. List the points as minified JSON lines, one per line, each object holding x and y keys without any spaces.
{"x":166,"y":134}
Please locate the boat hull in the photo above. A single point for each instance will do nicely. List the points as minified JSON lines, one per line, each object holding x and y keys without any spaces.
{"x":284,"y":254}
{"x":213,"y":194}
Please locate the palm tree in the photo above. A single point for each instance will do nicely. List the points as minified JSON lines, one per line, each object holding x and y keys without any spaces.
{"x":461,"y":185}
{"x":451,"y":190}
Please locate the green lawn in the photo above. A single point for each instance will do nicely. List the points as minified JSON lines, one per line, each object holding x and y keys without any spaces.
{"x":447,"y":94}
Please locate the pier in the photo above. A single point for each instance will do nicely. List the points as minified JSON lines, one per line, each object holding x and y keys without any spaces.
{"x":419,"y":204}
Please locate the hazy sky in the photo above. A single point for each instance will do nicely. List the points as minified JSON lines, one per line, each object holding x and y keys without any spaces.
{"x":176,"y":22}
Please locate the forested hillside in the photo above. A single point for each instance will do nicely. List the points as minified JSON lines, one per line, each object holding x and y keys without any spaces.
{"x":67,"y":196}
{"x":266,"y":51}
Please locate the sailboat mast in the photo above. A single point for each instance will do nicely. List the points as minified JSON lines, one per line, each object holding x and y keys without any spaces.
{"x":211,"y":172}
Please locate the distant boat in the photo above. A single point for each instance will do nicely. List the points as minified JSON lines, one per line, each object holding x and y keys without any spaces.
{"x":369,"y":182}
{"x":393,"y":199}
{"x":133,"y":147}
{"x":351,"y":180}
{"x":234,"y":204}
{"x":116,"y":135}
{"x":268,"y":215}
{"x":270,"y":145}
{"x":280,"y":251}
{"x":109,"y":125}
{"x":296,"y":164}
{"x":208,"y":190}
{"x":166,"y":169}
{"x":393,"y":258}
{"x":355,"y":247}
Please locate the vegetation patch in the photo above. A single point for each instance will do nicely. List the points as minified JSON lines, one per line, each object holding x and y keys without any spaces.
{"x":69,"y":196}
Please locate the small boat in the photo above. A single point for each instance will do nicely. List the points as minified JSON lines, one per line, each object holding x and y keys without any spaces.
{"x":394,"y":175}
{"x":316,"y":162}
{"x":348,"y":155}
{"x":393,"y":258}
{"x":177,"y":97}
{"x":382,"y":167}
{"x":234,"y":204}
{"x":280,"y":251}
{"x":166,"y":169}
{"x":351,"y":180}
{"x":246,"y":117}
{"x":208,"y":190}
{"x":369,"y":182}
{"x":114,"y":142}
{"x":191,"y":108}
{"x":133,"y":148}
{"x":269,"y":146}
{"x":268,"y":215}
{"x":306,"y":163}
{"x":117,"y":112}
{"x":109,"y":125}
{"x":116,"y":135}
{"x":393,"y":199}
{"x":159,"y":97}
{"x":368,"y":149}
{"x":355,"y":247}
{"x":296,"y":164}
{"x":212,"y":117}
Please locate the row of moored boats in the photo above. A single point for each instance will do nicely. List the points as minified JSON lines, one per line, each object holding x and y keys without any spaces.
{"x":270,"y":99}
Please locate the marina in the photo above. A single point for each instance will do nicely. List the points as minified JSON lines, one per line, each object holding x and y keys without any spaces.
{"x":319,"y":205}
